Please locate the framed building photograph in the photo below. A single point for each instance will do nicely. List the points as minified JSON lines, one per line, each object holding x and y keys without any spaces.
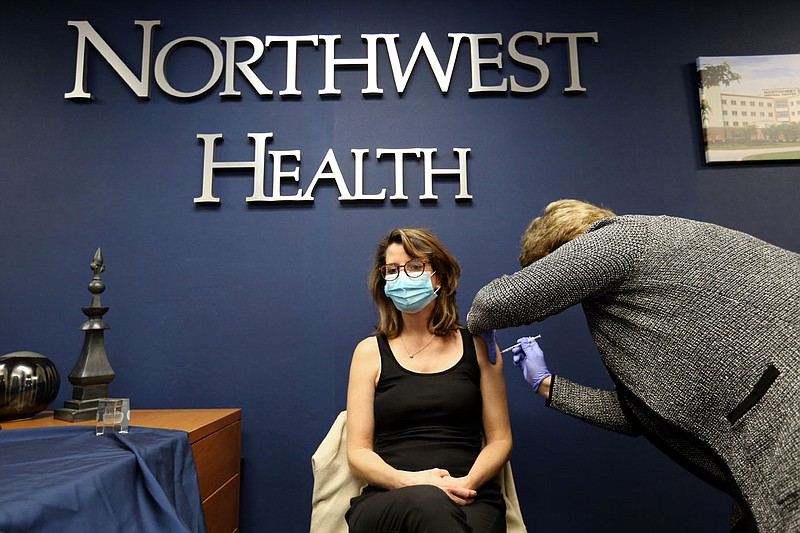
{"x":750,"y":107}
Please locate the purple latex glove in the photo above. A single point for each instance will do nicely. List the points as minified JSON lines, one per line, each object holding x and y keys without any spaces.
{"x":530,"y":358}
{"x":490,"y":338}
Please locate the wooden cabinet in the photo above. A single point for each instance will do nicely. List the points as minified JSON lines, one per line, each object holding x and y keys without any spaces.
{"x":216,"y":439}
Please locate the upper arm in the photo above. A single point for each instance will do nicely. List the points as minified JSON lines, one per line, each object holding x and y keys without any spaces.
{"x":590,"y":264}
{"x":364,"y":370}
{"x":496,"y":423}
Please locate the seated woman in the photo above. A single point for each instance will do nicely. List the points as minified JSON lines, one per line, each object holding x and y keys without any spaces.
{"x":422,"y":400}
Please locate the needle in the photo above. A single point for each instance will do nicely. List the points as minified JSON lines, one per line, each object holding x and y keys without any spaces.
{"x":516,"y":345}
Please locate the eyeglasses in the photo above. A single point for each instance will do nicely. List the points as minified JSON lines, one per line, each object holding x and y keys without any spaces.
{"x":413,"y":269}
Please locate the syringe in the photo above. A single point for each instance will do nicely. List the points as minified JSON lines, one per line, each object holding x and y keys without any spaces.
{"x":516,"y":345}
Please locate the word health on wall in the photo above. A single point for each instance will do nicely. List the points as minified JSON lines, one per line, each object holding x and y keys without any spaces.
{"x":286,"y":172}
{"x":486,"y":60}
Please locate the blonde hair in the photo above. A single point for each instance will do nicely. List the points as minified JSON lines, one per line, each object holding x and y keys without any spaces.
{"x":561,"y":221}
{"x":418,"y":243}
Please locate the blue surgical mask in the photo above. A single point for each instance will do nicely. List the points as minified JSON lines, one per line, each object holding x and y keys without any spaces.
{"x":411,"y":295}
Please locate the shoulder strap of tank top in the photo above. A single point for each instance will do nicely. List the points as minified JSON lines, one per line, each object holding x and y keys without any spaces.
{"x":388,"y":363}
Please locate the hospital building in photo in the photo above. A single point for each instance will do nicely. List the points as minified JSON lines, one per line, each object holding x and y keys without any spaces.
{"x":729,"y":114}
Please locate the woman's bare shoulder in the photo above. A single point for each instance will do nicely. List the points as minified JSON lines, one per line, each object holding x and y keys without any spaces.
{"x":366,"y":349}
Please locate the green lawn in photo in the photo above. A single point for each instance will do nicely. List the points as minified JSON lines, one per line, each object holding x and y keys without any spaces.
{"x":773,"y":156}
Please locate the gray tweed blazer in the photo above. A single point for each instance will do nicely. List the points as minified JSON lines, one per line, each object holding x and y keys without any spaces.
{"x":697,"y":326}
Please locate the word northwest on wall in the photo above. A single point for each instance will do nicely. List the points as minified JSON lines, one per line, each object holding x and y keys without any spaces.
{"x":226,"y":63}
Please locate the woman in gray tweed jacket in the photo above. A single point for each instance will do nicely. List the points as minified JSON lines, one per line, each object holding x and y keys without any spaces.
{"x":724,"y":401}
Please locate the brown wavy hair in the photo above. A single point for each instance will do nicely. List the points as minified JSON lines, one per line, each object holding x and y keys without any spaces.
{"x":418,"y":243}
{"x":561,"y":221}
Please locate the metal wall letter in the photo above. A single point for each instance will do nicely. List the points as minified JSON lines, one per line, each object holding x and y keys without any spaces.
{"x":140,"y":86}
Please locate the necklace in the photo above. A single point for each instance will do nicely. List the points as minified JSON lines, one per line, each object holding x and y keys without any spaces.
{"x":411,"y":355}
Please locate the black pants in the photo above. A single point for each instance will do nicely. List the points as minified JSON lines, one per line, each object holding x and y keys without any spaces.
{"x":423,"y":509}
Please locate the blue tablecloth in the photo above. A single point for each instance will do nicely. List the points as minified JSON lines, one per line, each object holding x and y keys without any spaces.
{"x":66,"y":479}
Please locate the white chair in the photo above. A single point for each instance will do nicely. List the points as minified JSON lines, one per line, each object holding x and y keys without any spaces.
{"x":334,"y":485}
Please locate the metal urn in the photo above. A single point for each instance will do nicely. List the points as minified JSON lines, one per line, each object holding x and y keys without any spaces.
{"x":29,"y":383}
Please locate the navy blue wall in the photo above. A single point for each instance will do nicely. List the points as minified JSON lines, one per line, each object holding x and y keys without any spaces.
{"x":260,"y":306}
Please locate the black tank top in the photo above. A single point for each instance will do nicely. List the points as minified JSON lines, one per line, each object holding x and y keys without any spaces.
{"x":429,"y":420}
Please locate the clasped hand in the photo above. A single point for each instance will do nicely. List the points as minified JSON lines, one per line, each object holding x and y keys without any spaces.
{"x":455,"y":487}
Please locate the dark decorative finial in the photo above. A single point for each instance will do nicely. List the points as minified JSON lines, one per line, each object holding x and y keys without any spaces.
{"x":92,"y":373}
